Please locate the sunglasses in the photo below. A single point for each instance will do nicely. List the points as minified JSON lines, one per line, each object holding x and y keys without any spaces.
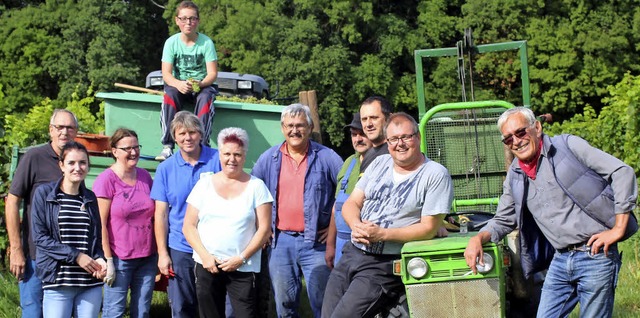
{"x":520,"y":133}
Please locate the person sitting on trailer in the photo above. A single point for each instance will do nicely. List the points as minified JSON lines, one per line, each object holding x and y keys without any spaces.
{"x":189,"y":70}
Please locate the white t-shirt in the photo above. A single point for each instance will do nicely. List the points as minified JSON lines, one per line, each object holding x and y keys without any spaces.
{"x":226,"y":226}
{"x":399,"y":202}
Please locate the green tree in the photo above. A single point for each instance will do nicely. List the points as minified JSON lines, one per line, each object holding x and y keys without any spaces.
{"x":616,"y":129}
{"x":54,"y":49}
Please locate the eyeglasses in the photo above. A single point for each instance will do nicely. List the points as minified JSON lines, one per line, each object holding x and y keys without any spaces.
{"x":190,"y":19}
{"x":290,"y":127}
{"x":62,"y":127}
{"x":128,"y":149}
{"x":405,"y":138}
{"x":520,"y":133}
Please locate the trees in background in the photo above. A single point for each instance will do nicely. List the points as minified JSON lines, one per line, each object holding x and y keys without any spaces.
{"x":346,"y":50}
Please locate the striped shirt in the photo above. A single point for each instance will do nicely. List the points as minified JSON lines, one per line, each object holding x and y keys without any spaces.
{"x":74,"y":225}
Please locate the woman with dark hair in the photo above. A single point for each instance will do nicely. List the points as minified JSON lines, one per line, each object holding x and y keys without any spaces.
{"x":67,"y":234}
{"x":126,"y":212}
{"x":228,"y":220}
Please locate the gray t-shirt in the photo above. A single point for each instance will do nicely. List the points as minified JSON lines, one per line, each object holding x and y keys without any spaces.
{"x":389,"y":204}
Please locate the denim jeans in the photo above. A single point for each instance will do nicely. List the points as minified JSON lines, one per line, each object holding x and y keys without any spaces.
{"x":290,"y":255}
{"x":182,"y":286}
{"x":81,"y":302}
{"x":577,"y":276}
{"x":30,"y":291}
{"x":138,"y":274}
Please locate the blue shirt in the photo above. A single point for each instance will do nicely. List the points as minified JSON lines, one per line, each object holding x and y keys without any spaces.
{"x":319,"y":188}
{"x":172,"y":184}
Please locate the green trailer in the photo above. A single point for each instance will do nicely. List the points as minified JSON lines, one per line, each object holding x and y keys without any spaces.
{"x":141,"y":112}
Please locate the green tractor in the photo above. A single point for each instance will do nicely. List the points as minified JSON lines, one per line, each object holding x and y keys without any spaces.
{"x":463,"y":137}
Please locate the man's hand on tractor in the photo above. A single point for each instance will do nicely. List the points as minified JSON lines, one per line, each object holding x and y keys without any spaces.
{"x":473,"y":253}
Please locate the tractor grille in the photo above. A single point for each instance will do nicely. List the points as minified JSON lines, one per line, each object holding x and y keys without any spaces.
{"x":470,"y":298}
{"x":468,"y":143}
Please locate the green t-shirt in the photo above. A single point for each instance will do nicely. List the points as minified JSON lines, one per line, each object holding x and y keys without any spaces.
{"x":353,"y":177}
{"x":189,"y":61}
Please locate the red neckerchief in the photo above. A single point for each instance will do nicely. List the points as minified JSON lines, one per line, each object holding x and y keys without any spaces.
{"x":530,"y":168}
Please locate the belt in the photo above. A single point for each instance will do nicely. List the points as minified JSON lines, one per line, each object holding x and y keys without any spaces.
{"x":292,"y":233}
{"x":580,"y":247}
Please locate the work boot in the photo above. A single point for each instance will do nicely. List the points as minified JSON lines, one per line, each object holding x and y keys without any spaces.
{"x":165,"y":153}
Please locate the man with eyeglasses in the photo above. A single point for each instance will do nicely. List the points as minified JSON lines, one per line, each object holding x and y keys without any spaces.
{"x":38,"y":166}
{"x":189,"y":70}
{"x":301,"y":176}
{"x":403,"y":196}
{"x":572,"y":203}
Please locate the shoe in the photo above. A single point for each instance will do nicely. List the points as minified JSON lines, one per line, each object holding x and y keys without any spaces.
{"x":164,"y":154}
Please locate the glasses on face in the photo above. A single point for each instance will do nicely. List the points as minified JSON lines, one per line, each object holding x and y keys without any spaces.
{"x":62,"y":127}
{"x":520,"y":133}
{"x":189,"y":19}
{"x":290,"y":127}
{"x":405,"y":138}
{"x":128,"y":149}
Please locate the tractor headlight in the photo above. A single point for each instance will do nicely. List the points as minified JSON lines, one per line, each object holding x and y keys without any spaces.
{"x":245,"y":84}
{"x":488,"y":264}
{"x":417,"y":267}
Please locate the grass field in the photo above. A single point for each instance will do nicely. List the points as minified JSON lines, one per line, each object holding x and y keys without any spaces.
{"x":626,"y":304}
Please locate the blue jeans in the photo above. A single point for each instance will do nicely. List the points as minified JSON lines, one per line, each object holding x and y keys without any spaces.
{"x":81,"y":302}
{"x":291,"y":258}
{"x":30,"y":291}
{"x":578,"y":276}
{"x":182,"y":287}
{"x":341,"y":240}
{"x":138,"y":274}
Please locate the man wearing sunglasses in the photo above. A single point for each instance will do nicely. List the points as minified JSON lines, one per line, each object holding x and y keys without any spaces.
{"x":571,"y":203}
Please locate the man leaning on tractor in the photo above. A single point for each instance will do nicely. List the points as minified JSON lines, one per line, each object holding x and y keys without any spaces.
{"x":572,"y":203}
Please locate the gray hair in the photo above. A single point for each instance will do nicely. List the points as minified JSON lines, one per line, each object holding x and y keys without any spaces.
{"x":186,"y":119}
{"x":526,"y":112}
{"x":295,"y":110}
{"x":396,"y":116}
{"x":61,"y":110}
{"x":235,"y":135}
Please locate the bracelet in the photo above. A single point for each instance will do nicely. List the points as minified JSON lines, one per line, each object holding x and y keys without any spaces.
{"x":244,"y":260}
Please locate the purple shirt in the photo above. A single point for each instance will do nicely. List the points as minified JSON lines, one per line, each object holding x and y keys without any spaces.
{"x":130,"y":223}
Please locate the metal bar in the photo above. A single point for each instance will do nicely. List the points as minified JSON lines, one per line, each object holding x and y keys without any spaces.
{"x":520,"y":46}
{"x":473,"y":202}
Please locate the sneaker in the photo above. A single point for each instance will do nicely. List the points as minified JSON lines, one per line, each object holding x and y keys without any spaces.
{"x":164,"y":154}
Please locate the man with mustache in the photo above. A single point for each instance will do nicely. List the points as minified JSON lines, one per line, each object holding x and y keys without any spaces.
{"x":571,"y":203}
{"x":38,"y":166}
{"x":301,"y":176}
{"x":403,"y":196}
{"x":339,"y":231}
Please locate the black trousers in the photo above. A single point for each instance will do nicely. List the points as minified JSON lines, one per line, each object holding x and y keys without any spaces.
{"x":212,"y":290}
{"x":360,"y":284}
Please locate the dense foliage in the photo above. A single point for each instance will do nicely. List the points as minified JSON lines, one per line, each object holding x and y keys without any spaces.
{"x":616,"y":128}
{"x":345,"y":50}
